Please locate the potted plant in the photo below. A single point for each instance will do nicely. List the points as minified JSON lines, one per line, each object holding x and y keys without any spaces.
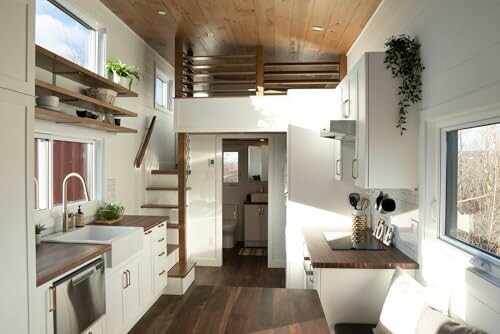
{"x":110,"y":211}
{"x":39,"y":228}
{"x":402,"y":57}
{"x":117,"y":70}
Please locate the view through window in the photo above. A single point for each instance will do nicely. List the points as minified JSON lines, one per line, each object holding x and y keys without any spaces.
{"x":230,"y":167}
{"x":64,"y":34}
{"x":473,"y":187}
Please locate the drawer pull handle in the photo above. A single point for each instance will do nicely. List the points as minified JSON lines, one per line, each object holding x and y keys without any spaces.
{"x":337,"y":167}
{"x":161,"y":225}
{"x":161,"y":240}
{"x":162,"y":272}
{"x":148,"y":232}
{"x":161,"y":254}
{"x":52,"y":299}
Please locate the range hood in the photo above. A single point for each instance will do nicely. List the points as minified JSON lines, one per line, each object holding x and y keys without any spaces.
{"x":344,"y":130}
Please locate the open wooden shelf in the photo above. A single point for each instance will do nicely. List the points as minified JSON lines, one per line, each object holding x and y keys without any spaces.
{"x":80,"y":100}
{"x":60,"y":117}
{"x":58,"y":65}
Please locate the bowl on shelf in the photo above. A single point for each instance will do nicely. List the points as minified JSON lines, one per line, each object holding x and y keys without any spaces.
{"x":102,"y":94}
{"x":86,"y":113}
{"x":48,"y":101}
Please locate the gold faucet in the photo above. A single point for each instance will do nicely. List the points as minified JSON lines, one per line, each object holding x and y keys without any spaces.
{"x":65,"y":196}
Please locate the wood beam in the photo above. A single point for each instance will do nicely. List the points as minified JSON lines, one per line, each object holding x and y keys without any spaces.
{"x":259,"y":70}
{"x":179,"y":49}
{"x":181,"y":184}
{"x":343,"y":66}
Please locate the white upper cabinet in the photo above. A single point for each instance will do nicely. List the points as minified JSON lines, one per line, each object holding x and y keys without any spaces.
{"x":17,"y":59}
{"x":384,"y":159}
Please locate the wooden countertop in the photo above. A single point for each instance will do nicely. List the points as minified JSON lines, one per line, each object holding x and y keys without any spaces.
{"x":55,"y":258}
{"x":322,"y":256}
{"x":146,"y":222}
{"x":223,"y":309}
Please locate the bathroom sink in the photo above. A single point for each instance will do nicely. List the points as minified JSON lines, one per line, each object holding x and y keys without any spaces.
{"x":125,"y":241}
{"x":258,"y":197}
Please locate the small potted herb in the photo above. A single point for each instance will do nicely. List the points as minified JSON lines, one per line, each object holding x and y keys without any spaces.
{"x":110,"y":211}
{"x":117,"y":70}
{"x":39,"y":228}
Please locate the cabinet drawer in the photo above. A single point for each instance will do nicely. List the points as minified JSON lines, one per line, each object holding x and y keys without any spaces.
{"x":159,"y":245}
{"x":160,"y":261}
{"x":160,"y":230}
{"x":160,"y":281}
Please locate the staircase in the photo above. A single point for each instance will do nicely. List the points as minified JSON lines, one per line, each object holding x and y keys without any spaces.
{"x":162,"y":199}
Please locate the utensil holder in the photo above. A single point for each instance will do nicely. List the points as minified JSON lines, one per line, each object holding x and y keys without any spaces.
{"x":359,"y":221}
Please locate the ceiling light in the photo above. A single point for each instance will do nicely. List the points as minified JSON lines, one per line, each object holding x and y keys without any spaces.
{"x":317,"y":28}
{"x":262,"y":139}
{"x":162,"y":12}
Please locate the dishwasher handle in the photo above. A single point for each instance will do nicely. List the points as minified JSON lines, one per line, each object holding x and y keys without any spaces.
{"x":82,"y":276}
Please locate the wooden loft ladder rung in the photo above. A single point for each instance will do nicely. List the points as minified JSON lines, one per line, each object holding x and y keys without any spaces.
{"x":181,"y":269}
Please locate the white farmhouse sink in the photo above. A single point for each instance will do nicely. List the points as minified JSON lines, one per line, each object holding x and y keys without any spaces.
{"x":258,"y":197}
{"x":125,"y":241}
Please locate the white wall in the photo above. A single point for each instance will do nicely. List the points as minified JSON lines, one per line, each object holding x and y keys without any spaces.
{"x":121,"y":181}
{"x":460,"y":49}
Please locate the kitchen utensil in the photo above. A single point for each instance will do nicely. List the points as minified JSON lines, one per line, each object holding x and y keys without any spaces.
{"x":365,"y":202}
{"x":378,"y":200}
{"x":354,"y":199}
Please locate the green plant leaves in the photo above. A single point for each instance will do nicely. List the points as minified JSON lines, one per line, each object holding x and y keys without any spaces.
{"x":402,"y":57}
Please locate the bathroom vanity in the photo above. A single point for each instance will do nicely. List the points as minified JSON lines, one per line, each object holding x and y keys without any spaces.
{"x":255,"y":224}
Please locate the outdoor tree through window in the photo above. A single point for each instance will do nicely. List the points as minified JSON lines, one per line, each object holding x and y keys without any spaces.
{"x":473,"y":187}
{"x":231,"y":170}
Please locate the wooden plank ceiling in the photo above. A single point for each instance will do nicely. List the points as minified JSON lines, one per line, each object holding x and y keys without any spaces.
{"x":283,"y":27}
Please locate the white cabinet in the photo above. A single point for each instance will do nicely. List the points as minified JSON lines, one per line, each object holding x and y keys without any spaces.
{"x":384,"y":159}
{"x":255,"y":225}
{"x":123,"y":297}
{"x":44,"y":309}
{"x":97,"y":328}
{"x":159,"y":256}
{"x":146,"y":270}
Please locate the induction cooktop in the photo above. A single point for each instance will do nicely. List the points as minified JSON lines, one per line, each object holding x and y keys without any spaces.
{"x":348,"y":241}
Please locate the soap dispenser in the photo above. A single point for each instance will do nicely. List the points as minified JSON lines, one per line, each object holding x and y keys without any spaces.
{"x":79,"y":218}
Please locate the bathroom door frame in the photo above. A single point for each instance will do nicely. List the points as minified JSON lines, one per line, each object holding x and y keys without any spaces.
{"x":276,"y":213}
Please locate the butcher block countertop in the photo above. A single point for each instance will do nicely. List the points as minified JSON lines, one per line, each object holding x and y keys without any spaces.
{"x":238,"y":310}
{"x":54,"y":258}
{"x":322,"y":256}
{"x":146,"y":222}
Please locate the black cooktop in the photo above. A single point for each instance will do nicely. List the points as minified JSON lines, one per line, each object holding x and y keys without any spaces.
{"x":348,"y":241}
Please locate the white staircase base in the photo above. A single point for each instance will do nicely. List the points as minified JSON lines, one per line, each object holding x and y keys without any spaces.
{"x":179,"y":285}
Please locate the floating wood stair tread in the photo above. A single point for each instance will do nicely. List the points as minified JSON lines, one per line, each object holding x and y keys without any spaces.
{"x":222,"y":91}
{"x":159,"y":206}
{"x":218,"y":57}
{"x":58,"y":65}
{"x":166,"y":172}
{"x":165,"y":188}
{"x":222,"y":65}
{"x":60,"y":117}
{"x":172,"y":225}
{"x":218,"y":73}
{"x":171,"y":248}
{"x":181,"y":269}
{"x":301,"y":82}
{"x":80,"y":100}
{"x":219,"y":82}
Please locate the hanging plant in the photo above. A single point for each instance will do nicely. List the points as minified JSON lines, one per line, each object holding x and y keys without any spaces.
{"x":402,"y":56}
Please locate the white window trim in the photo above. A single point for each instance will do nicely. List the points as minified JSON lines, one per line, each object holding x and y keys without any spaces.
{"x":98,"y":47}
{"x":430,"y":197}
{"x":167,"y":91}
{"x":94,"y":186}
{"x":442,"y":219}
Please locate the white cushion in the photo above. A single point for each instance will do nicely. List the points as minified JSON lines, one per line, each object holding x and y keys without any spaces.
{"x":403,"y":305}
{"x":434,"y":322}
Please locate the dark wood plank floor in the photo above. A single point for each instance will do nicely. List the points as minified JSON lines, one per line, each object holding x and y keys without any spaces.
{"x":239,"y":271}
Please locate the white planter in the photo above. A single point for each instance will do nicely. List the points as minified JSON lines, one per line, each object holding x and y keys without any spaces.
{"x":116,"y":78}
{"x":38,"y":237}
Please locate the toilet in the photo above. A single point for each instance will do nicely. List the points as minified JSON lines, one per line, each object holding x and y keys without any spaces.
{"x":230,"y":221}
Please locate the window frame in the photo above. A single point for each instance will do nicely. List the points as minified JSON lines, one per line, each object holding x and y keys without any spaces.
{"x":167,"y":88}
{"x":223,"y":168}
{"x":94,"y":165}
{"x":463,"y":246}
{"x":97,"y":51}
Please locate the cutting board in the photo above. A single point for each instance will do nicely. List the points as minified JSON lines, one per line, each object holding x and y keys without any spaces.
{"x":109,"y":222}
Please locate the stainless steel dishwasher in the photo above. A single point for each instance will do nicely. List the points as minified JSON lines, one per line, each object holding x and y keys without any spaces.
{"x":80,"y":299}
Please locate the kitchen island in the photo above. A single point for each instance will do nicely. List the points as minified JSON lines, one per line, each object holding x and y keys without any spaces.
{"x":224,"y":309}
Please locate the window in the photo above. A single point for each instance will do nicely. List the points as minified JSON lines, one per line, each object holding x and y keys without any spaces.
{"x":231,"y":170}
{"x":472,"y":193}
{"x":63,"y":33}
{"x":54,"y":159}
{"x":163,"y":92}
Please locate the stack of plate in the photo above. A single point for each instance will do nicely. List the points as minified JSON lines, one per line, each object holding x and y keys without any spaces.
{"x":48,"y":102}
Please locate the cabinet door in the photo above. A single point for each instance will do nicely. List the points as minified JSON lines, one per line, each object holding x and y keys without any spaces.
{"x":115,"y":284}
{"x":337,"y":148}
{"x":17,"y":67}
{"x":345,"y":105}
{"x":131,"y":294}
{"x":44,"y":309}
{"x":146,"y":270}
{"x":263,"y":223}
{"x":252,"y":222}
{"x":360,"y":162}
